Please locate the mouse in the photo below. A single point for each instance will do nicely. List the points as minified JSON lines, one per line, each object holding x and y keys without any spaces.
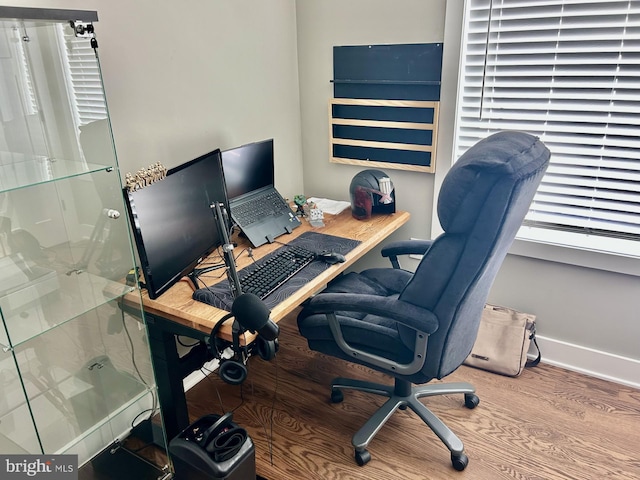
{"x":331,"y":257}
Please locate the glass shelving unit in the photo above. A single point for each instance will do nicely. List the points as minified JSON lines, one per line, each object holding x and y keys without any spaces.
{"x":75,"y":369}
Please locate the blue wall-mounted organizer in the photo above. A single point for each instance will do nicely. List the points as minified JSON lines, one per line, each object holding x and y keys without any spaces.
{"x":384,"y":113}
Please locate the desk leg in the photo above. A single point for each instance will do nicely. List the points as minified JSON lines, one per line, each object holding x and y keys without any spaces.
{"x":166,"y":362}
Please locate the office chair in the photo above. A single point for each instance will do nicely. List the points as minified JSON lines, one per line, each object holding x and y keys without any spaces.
{"x":419,"y":326}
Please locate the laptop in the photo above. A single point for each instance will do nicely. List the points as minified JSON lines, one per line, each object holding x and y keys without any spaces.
{"x":257,"y":208}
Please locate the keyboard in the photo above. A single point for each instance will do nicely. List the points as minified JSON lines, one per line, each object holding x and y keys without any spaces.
{"x":259,"y":208}
{"x":283,"y":264}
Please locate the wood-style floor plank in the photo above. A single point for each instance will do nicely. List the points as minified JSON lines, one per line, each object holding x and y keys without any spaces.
{"x":548,"y":423}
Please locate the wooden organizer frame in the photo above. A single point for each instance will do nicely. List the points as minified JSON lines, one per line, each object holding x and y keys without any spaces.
{"x":432,"y":126}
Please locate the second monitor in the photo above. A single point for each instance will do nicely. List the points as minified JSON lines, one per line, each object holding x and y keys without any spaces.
{"x":172,"y":221}
{"x":257,"y":208}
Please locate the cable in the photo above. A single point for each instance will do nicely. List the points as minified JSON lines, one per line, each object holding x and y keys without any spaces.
{"x":273,"y":404}
{"x":154,"y":404}
{"x":206,"y":375}
{"x":133,"y":357}
{"x":249,"y":252}
{"x":242,"y":400}
{"x":268,"y":432}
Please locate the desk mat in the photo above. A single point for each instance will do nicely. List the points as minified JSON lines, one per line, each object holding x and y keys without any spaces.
{"x":219,"y":295}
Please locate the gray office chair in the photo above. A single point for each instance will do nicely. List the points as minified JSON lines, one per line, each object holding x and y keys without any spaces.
{"x":421,"y":326}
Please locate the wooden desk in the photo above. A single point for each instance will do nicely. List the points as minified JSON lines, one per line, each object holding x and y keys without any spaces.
{"x":176,"y":313}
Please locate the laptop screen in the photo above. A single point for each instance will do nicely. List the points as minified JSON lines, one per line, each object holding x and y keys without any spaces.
{"x":248,"y":168}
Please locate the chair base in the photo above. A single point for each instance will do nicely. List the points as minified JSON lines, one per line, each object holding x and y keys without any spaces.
{"x":402,"y":395}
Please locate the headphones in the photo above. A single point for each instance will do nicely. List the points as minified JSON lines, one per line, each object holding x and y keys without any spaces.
{"x":218,"y":436}
{"x":252,"y":315}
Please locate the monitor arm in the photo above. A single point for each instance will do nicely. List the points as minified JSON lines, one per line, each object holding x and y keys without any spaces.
{"x":227,"y":249}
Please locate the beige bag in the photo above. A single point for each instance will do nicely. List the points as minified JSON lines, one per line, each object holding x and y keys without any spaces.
{"x":503,"y":341}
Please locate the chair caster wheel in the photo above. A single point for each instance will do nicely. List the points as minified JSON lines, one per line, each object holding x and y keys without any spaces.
{"x":471,"y":400}
{"x":362,"y":457}
{"x":336,"y":395}
{"x":459,"y":461}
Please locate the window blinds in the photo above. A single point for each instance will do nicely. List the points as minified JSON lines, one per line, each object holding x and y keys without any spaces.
{"x":28,"y":92}
{"x":569,"y":72}
{"x":83,"y":79}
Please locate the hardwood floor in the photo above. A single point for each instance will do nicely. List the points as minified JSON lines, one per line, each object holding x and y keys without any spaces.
{"x":548,"y":423}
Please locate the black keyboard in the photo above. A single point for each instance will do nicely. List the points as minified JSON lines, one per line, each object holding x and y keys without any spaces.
{"x":283,"y":264}
{"x":259,"y":208}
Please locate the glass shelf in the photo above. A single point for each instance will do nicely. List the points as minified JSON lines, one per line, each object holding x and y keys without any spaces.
{"x":73,"y":400}
{"x":131,"y":406}
{"x":19,"y":171}
{"x":50,"y":300}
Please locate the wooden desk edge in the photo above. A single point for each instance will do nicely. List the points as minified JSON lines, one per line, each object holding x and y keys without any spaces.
{"x":177,"y":305}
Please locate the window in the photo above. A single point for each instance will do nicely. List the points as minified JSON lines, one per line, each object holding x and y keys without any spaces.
{"x":82,"y":73}
{"x":27,"y":92}
{"x":569,"y":72}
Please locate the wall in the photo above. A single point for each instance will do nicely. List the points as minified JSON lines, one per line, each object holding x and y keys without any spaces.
{"x":183,"y":78}
{"x":585,"y":307}
{"x":328,"y":23}
{"x":589,"y":319}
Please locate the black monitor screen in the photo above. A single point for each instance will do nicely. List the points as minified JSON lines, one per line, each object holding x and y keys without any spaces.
{"x":173,"y":222}
{"x":248,"y":168}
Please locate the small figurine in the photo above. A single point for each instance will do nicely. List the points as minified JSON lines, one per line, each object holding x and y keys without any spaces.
{"x":300,"y":201}
{"x":316,"y":216}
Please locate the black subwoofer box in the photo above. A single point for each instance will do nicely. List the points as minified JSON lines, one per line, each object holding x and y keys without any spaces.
{"x":213,"y":447}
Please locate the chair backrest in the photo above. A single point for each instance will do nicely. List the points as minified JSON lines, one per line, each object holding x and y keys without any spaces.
{"x":482,"y":203}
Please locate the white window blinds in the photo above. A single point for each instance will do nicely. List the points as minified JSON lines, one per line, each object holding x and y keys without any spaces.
{"x":569,"y":72}
{"x":28,"y":94}
{"x":83,"y":79}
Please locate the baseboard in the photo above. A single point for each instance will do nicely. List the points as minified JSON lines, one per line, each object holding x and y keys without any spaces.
{"x":595,"y":363}
{"x":577,"y":358}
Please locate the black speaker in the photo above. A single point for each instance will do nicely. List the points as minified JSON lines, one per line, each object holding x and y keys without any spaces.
{"x":213,"y":448}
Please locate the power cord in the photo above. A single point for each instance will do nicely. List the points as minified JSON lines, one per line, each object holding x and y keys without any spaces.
{"x":207,"y":376}
{"x":273,"y":405}
{"x":154,"y":404}
{"x":268,"y":433}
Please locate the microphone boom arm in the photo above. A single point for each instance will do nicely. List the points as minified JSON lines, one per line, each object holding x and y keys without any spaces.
{"x":227,"y":250}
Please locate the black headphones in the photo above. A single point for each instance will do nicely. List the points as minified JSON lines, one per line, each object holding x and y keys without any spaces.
{"x":250,"y":314}
{"x":219,"y":436}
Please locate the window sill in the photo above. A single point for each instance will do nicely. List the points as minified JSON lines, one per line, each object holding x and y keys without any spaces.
{"x":588,"y":251}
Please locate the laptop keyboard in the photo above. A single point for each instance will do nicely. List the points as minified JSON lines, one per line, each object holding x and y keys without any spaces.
{"x":258,"y":208}
{"x":283,"y":264}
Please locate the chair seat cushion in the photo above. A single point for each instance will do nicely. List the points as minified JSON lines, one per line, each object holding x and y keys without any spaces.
{"x":371,"y":333}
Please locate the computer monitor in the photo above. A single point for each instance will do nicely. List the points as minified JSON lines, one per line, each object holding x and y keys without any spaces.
{"x":248,"y":168}
{"x":173,"y":223}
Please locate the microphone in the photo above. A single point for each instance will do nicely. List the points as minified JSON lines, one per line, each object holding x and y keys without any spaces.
{"x":253,"y":315}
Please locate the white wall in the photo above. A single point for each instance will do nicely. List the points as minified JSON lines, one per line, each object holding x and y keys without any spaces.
{"x":328,"y":23}
{"x":183,"y":78}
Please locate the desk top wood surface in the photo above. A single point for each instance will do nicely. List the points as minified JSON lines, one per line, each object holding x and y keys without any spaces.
{"x":177,"y":305}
